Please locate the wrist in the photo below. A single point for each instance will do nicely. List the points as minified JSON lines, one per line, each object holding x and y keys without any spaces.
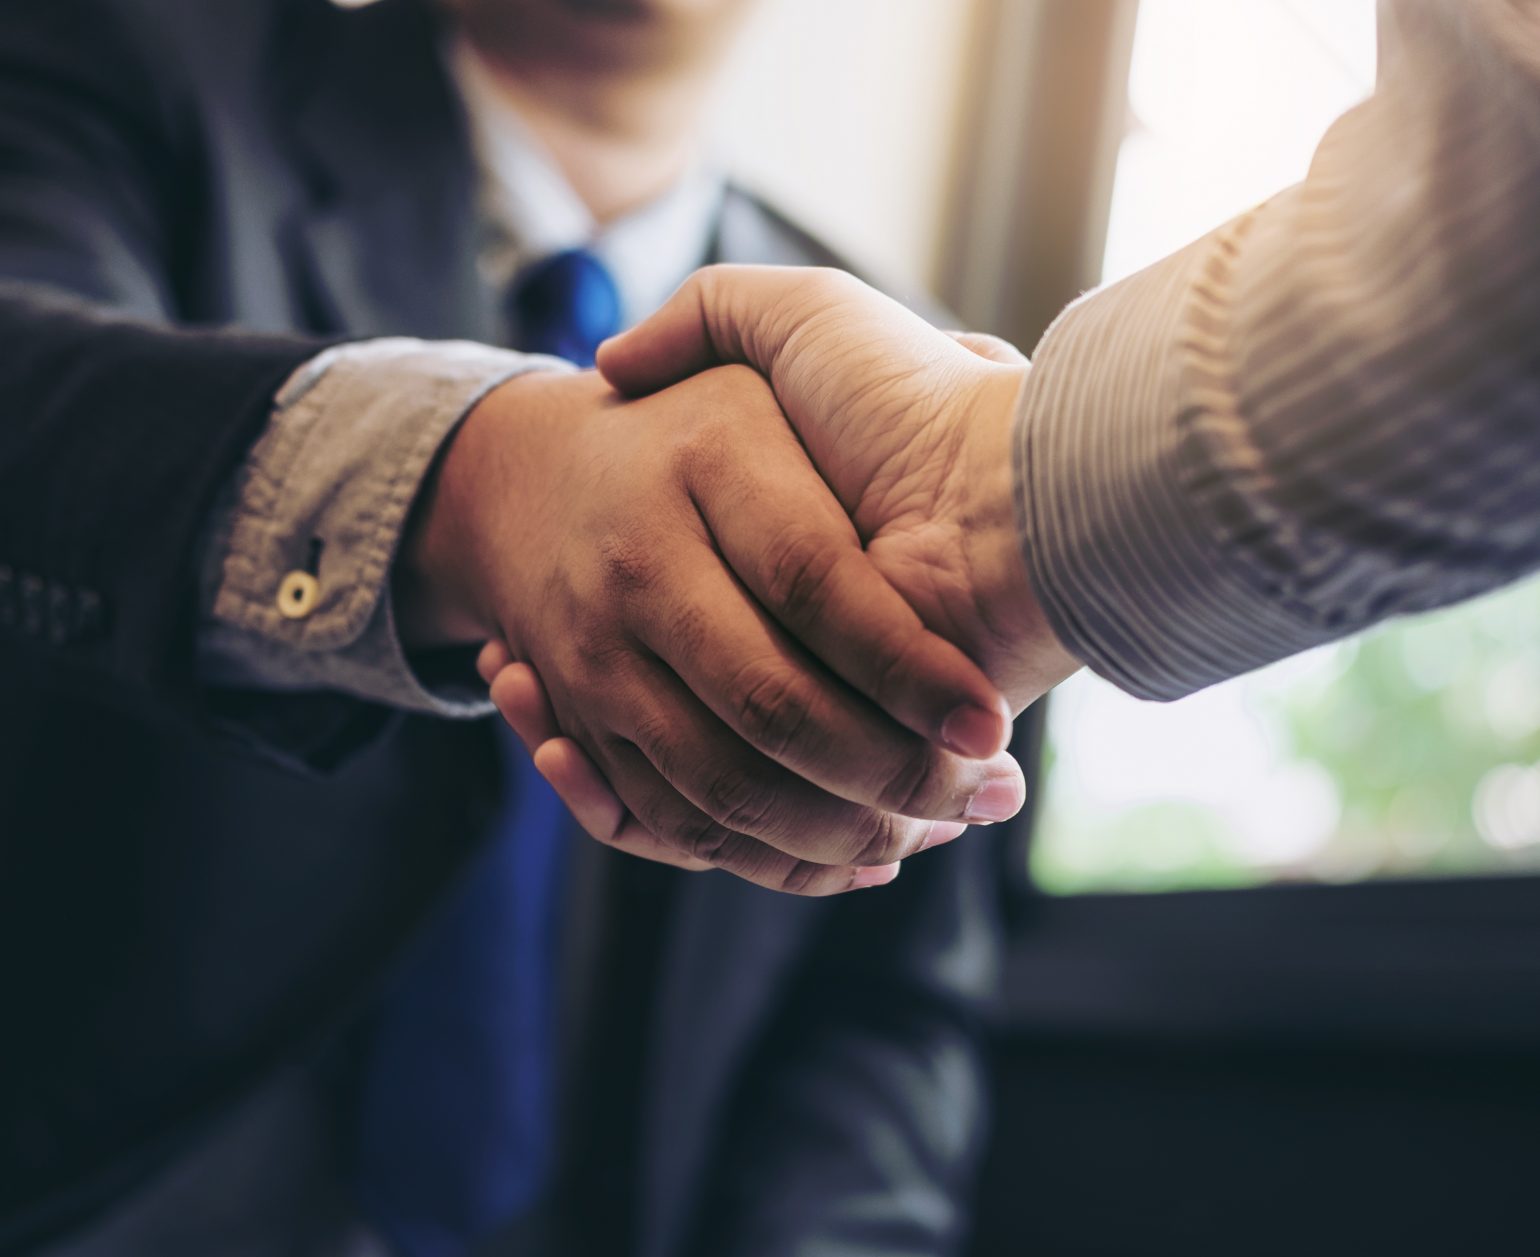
{"x":439,"y":584}
{"x":434,"y":602}
{"x":1019,"y":649}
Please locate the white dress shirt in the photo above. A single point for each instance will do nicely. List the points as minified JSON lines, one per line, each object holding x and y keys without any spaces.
{"x":532,"y":211}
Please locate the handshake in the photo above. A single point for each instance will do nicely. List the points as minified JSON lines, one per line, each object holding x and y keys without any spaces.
{"x":753,"y":593}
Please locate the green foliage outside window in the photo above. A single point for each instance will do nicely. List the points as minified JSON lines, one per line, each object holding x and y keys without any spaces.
{"x":1419,"y":744}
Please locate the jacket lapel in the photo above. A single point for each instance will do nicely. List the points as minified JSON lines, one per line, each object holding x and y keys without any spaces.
{"x":726,"y":955}
{"x":749,"y":232}
{"x":387,"y":232}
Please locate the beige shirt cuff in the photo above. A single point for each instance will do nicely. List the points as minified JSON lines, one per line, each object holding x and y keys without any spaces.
{"x":296,"y":582}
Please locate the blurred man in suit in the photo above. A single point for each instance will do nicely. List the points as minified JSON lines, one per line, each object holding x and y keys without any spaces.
{"x":390,"y":1007}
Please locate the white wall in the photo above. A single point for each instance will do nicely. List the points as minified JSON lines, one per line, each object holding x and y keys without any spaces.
{"x":844,"y":113}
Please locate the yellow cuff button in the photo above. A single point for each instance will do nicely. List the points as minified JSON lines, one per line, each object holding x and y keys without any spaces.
{"x":298,"y":595}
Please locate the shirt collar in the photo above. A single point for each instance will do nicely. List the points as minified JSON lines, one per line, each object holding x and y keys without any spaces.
{"x":532,"y":211}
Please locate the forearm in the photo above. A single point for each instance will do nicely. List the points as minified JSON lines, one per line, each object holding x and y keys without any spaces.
{"x":117,"y":437}
{"x":1321,"y":415}
{"x":119,"y":428}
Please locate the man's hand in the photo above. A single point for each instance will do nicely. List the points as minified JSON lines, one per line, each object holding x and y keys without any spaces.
{"x":910,"y":427}
{"x":711,"y":635}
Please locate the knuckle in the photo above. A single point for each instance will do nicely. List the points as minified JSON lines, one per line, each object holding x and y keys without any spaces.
{"x":773,"y":711}
{"x":909,"y":790}
{"x":712,"y":276}
{"x":715,"y":294}
{"x":802,"y":877}
{"x":649,"y":808}
{"x":700,"y":836}
{"x":702,"y":441}
{"x":722,"y":280}
{"x":690,"y":629}
{"x":799,"y":572}
{"x":595,"y":651}
{"x":889,"y":841}
{"x":833,"y":280}
{"x":735,"y":799}
{"x":627,"y":566}
{"x":653,"y":735}
{"x":713,"y":436}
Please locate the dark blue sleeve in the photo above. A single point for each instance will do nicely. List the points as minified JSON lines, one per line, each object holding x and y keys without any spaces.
{"x":858,"y":1123}
{"x":117,"y":429}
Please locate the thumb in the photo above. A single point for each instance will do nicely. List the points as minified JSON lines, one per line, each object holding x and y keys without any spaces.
{"x":724,"y":314}
{"x":677,"y":341}
{"x":992,"y":348}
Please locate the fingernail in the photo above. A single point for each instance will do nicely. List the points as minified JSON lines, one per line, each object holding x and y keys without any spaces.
{"x":973,"y":731}
{"x":998,"y":800}
{"x":879,"y":876}
{"x":941,"y":832}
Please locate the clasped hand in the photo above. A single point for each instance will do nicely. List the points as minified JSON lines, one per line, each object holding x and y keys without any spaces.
{"x":771,"y":620}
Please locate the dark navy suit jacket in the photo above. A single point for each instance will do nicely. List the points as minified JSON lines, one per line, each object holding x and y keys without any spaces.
{"x":199,"y":890}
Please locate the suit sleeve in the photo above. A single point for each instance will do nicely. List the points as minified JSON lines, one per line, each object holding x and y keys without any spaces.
{"x":1325,"y":413}
{"x":858,"y":1124}
{"x":117,"y":431}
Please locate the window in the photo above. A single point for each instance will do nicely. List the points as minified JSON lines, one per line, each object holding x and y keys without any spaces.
{"x":1412,"y":751}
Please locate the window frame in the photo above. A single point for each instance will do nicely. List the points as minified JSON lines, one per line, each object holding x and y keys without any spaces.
{"x":1436,"y":962}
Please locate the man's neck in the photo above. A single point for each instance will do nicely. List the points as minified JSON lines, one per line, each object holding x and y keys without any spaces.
{"x":620,"y":138}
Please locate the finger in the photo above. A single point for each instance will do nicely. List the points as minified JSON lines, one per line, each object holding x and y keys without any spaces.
{"x":750,"y":314}
{"x":730,"y":787}
{"x":566,"y":766}
{"x":991,"y":347}
{"x":786,"y":537}
{"x":596,"y":807}
{"x":494,"y":657}
{"x":663,"y":811}
{"x":521,"y":700}
{"x":715,"y":758}
{"x":701,"y":723}
{"x":676,"y":341}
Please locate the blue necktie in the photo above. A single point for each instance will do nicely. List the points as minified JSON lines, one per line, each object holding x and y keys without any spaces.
{"x":455,"y":1121}
{"x":566,"y":305}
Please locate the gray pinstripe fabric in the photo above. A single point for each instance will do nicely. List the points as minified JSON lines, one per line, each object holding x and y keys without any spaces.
{"x":1325,"y":413}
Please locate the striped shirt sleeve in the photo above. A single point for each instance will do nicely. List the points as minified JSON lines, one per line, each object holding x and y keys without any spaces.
{"x":1325,"y":413}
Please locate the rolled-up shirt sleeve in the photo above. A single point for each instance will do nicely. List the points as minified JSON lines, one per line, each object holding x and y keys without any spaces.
{"x":1325,"y":413}
{"x":296,"y":587}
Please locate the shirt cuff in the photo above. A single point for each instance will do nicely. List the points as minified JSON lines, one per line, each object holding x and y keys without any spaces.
{"x":1133,"y":579}
{"x":296,"y":580}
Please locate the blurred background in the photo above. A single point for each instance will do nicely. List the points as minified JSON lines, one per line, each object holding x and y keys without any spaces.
{"x":1276,"y":969}
{"x":1413,"y":752}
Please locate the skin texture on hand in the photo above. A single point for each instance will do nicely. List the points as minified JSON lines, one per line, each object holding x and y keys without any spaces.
{"x":910,"y":427}
{"x":711,"y":638}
